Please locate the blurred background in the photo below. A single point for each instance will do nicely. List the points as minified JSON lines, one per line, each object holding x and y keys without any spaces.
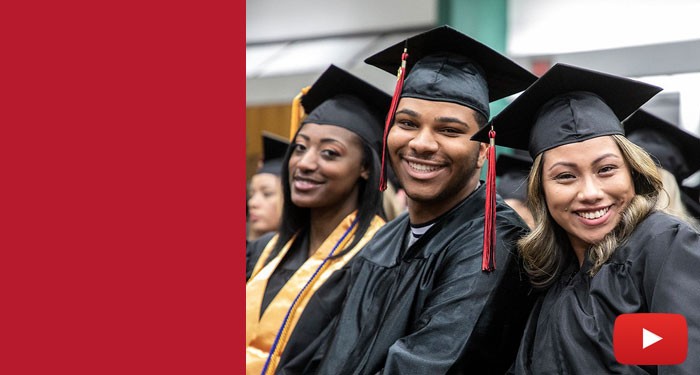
{"x":289,"y":44}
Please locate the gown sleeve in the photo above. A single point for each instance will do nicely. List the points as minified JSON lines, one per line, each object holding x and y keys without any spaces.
{"x":671,"y":284}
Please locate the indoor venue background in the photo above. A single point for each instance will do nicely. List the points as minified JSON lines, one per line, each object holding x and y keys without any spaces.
{"x":289,"y":44}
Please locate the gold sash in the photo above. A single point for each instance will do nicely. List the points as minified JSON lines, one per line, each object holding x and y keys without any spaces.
{"x":261,"y":331}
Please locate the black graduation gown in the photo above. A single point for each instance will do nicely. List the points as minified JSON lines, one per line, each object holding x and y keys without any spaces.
{"x":320,"y":311}
{"x":253,"y":250}
{"x":656,"y":270}
{"x":295,"y":258}
{"x":316,"y":323}
{"x":430,"y":309}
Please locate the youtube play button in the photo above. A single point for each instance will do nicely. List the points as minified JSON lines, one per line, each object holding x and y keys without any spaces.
{"x":650,"y":339}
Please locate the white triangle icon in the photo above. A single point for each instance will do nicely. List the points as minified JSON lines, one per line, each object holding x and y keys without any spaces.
{"x":649,"y":338}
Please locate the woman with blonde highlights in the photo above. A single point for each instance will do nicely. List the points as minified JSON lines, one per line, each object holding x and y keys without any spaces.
{"x":600,"y":248}
{"x":545,"y":248}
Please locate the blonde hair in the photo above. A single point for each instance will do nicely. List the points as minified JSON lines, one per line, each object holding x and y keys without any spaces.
{"x":546,"y":248}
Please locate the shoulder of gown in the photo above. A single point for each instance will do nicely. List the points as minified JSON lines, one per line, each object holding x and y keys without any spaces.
{"x":253,"y":250}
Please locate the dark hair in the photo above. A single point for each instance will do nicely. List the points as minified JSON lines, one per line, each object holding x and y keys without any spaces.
{"x":481,"y":120}
{"x":295,"y":219}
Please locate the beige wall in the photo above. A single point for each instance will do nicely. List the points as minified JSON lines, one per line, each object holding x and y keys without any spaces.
{"x":272,"y":118}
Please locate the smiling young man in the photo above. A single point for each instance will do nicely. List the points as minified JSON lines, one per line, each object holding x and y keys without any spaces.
{"x":419,"y":302}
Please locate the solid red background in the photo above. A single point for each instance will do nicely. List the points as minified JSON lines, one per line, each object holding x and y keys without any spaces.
{"x":122,"y":166}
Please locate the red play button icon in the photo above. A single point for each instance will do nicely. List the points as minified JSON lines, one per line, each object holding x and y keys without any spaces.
{"x":650,"y":339}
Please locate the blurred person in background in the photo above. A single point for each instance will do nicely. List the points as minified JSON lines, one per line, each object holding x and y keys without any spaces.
{"x":265,"y":190}
{"x":676,"y":152}
{"x":512,"y":171}
{"x":394,"y":197}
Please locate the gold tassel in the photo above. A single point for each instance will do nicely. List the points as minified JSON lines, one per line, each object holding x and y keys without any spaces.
{"x":297,"y":112}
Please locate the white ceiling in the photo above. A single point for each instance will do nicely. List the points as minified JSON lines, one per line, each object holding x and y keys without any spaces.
{"x":278,"y":20}
{"x":290,"y":43}
{"x":545,"y":27}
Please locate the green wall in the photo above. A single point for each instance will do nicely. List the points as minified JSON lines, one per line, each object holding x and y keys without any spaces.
{"x":485,"y":21}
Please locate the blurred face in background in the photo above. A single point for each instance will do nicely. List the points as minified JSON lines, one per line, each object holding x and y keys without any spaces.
{"x":264,"y":204}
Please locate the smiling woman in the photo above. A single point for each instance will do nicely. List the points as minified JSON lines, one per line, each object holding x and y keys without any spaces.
{"x":332,"y":208}
{"x":324,"y":166}
{"x":598,"y":244}
{"x":587,"y":186}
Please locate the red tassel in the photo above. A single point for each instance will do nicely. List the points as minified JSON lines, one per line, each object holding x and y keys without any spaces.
{"x":488,"y":262}
{"x":390,"y":116}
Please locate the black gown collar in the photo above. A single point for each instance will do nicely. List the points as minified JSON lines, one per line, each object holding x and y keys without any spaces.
{"x":388,"y":245}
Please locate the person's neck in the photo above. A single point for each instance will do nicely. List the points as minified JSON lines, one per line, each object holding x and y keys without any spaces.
{"x":580,"y":253}
{"x":580,"y":248}
{"x":323,"y":222}
{"x":420,"y":212}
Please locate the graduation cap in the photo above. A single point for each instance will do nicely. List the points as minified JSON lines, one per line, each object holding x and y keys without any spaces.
{"x":513,"y":171}
{"x":274,"y":150}
{"x":690,"y":196}
{"x":446,"y":65}
{"x":443,"y":64}
{"x":567,"y":104}
{"x":675,"y":149}
{"x":342,"y":99}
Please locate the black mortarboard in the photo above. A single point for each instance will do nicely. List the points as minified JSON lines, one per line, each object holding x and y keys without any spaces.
{"x":446,"y":65}
{"x":690,"y":197}
{"x":676,"y":150}
{"x":274,"y":149}
{"x":341,"y":99}
{"x":513,"y":170}
{"x":567,"y":104}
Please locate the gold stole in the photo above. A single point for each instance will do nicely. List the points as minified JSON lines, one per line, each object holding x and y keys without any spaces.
{"x":260,"y":331}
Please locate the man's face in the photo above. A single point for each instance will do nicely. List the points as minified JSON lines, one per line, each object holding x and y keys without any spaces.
{"x":432,"y":154}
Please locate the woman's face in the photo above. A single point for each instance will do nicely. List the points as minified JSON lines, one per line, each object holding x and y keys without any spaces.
{"x":324,"y":167}
{"x":265,"y":203}
{"x":587,"y":186}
